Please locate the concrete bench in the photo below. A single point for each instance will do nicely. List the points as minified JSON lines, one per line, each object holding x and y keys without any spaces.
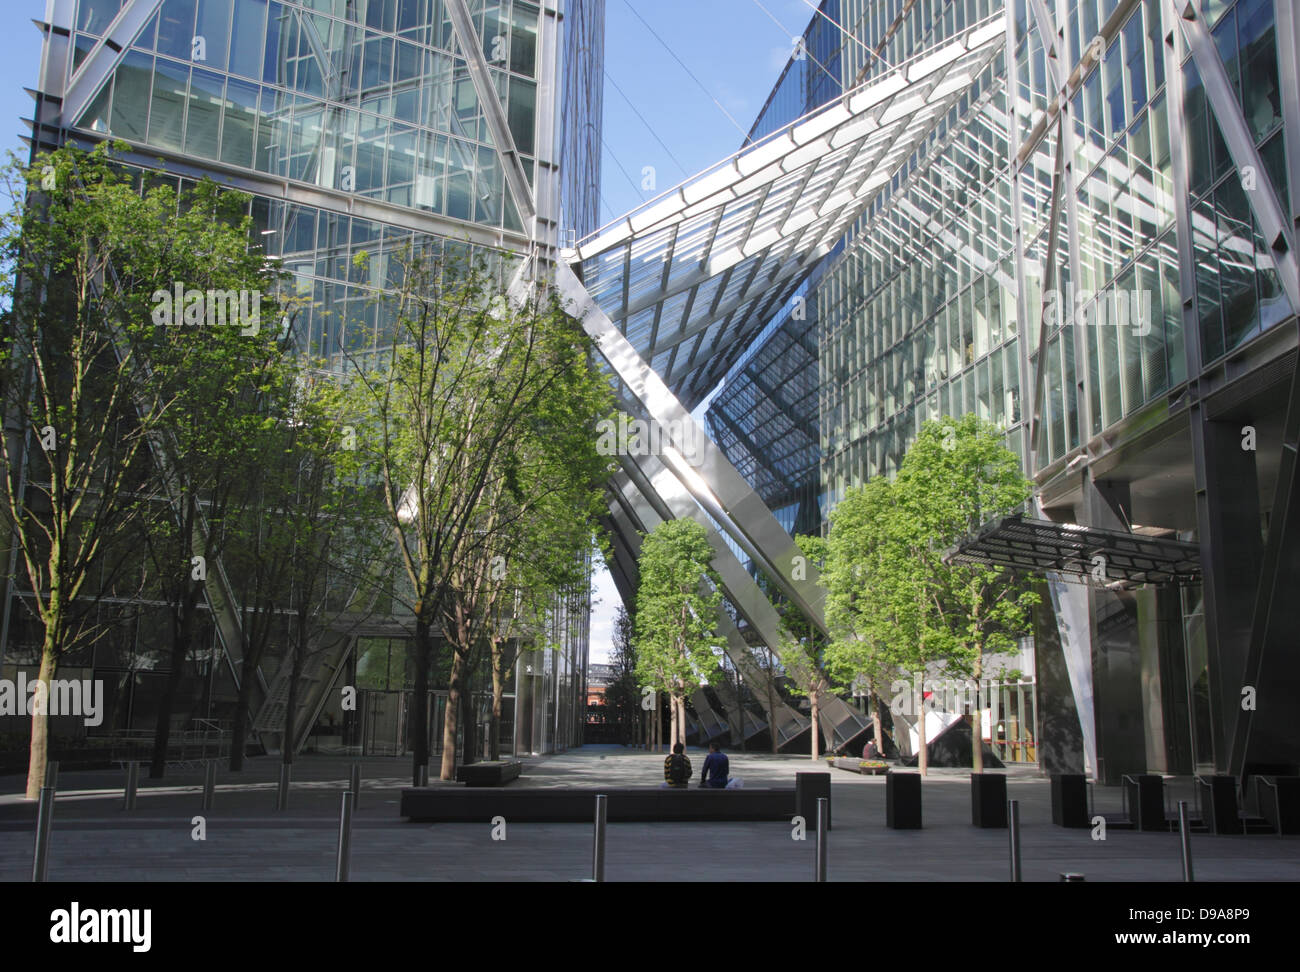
{"x":442,"y":804}
{"x":490,"y":773}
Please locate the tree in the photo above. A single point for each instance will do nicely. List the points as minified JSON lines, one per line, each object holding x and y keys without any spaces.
{"x":893,"y":605}
{"x":308,"y":545}
{"x":86,"y":255}
{"x":878,"y":603}
{"x":439,"y":414}
{"x":622,"y":695}
{"x":224,"y":374}
{"x":803,"y":647}
{"x":676,"y":625}
{"x":536,"y":522}
{"x":957,"y":476}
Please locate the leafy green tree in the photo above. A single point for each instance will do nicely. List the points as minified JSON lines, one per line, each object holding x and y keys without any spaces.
{"x":441,"y":415}
{"x":676,"y":624}
{"x":878,"y":603}
{"x":957,"y":476}
{"x":622,"y":695}
{"x":894,"y":607}
{"x":212,"y":346}
{"x":86,"y":374}
{"x":803,"y":648}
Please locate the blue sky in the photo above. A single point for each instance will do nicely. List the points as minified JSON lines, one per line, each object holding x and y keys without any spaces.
{"x":732,"y":47}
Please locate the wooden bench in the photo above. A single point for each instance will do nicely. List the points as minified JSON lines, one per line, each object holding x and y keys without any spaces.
{"x":490,"y":773}
{"x":578,"y":805}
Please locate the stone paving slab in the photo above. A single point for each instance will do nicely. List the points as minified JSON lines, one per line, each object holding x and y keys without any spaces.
{"x":93,"y":839}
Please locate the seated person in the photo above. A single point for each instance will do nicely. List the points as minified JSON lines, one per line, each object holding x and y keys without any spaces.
{"x":714,"y":774}
{"x":870,"y":751}
{"x":677,"y":768}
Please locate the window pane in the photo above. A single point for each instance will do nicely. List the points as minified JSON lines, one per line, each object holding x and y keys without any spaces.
{"x":238,"y":125}
{"x":176,"y":28}
{"x":167,"y":107}
{"x":213,"y":27}
{"x":246,"y":39}
{"x":131,"y":96}
{"x":204,"y":120}
{"x":1262,"y":101}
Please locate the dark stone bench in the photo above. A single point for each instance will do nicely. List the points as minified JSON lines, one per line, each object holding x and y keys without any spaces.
{"x":443,"y":804}
{"x":491,"y":773}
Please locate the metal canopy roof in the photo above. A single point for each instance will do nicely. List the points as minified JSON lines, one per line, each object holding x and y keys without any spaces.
{"x":1039,"y":546}
{"x":692,"y":276}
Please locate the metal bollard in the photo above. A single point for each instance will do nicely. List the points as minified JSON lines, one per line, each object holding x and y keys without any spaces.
{"x":1186,"y":831}
{"x":823,"y":842}
{"x":1070,"y":876}
{"x":132,"y":785}
{"x":282,"y":795}
{"x":598,"y":845}
{"x":209,"y":783}
{"x":422,"y":776}
{"x":44,"y":817}
{"x":52,"y":774}
{"x":1013,"y":825}
{"x":344,"y":861}
{"x":355,"y":785}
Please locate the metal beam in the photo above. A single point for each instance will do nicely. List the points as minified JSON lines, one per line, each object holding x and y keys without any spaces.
{"x":511,"y":164}
{"x":1274,"y":226}
{"x":89,"y":79}
{"x":727,"y":497}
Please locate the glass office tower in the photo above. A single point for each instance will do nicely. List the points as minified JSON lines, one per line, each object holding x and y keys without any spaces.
{"x":358,"y":126}
{"x":1096,"y":250}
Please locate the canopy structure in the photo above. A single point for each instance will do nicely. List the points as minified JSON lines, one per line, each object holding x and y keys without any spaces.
{"x":1085,"y":553}
{"x":692,"y":276}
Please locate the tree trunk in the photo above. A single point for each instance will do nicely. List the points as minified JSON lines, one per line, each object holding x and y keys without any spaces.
{"x":672,"y":721}
{"x":289,"y":743}
{"x":498,"y":693}
{"x":681,"y":718}
{"x":771,"y":710}
{"x":239,"y":731}
{"x":469,"y":724}
{"x":420,"y":705}
{"x":877,"y":724}
{"x":452,"y":716}
{"x":816,"y":724}
{"x":976,"y":722}
{"x":39,"y":753}
{"x":181,"y":637}
{"x":922,"y":756}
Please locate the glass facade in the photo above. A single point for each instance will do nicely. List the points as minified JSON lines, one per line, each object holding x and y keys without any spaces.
{"x":1041,"y":260}
{"x":356,"y":127}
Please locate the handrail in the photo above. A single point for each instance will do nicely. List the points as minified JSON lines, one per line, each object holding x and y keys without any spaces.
{"x":1277,"y":801}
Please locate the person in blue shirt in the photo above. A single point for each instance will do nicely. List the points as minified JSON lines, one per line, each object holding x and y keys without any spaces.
{"x":716,"y":768}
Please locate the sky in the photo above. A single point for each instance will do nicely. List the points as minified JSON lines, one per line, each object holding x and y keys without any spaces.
{"x":674,"y":104}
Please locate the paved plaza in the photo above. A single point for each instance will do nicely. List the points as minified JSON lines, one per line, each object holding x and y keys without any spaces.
{"x":93,"y":839}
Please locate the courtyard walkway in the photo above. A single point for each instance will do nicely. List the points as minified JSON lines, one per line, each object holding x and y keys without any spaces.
{"x":93,"y":839}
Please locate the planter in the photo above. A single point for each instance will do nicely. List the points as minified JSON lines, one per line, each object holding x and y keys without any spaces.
{"x":1070,"y":800}
{"x":988,"y":800}
{"x":1146,"y":801}
{"x":807,"y":788}
{"x":903,"y":801}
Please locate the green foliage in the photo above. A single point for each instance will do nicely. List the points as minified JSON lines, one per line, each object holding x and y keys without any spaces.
{"x":893,"y":605}
{"x":676,"y":623}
